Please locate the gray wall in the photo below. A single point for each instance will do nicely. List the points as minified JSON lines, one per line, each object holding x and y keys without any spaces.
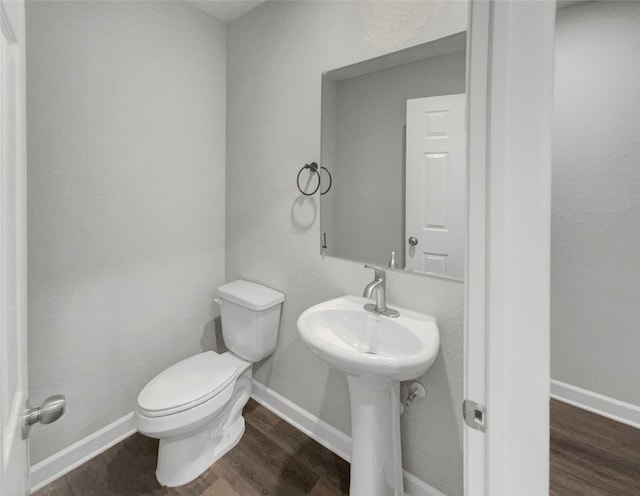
{"x":126,"y":169}
{"x":276,"y":55}
{"x":369,"y":178}
{"x":595,"y":231}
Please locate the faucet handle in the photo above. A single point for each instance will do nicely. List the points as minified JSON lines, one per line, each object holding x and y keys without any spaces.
{"x":379,"y":271}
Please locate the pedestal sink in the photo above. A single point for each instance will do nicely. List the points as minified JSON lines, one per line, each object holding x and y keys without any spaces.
{"x":376,"y":353}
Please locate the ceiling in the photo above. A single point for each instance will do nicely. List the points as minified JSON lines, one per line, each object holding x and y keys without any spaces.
{"x":561,"y":4}
{"x":225,"y":10}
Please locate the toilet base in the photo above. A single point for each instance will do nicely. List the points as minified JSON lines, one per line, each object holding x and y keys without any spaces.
{"x":176,"y":463}
{"x":181,"y":459}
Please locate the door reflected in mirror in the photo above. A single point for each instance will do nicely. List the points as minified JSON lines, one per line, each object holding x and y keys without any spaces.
{"x":393,"y":138}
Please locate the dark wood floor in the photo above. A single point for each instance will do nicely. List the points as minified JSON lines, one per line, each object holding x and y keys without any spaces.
{"x":272,"y":459}
{"x":590,"y":456}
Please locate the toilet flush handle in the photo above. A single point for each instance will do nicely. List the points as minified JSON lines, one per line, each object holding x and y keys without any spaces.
{"x":219,"y":301}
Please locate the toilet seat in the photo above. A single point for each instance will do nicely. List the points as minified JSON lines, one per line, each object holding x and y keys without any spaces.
{"x":189,"y":383}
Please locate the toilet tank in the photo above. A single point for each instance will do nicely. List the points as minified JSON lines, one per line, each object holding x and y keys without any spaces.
{"x":250,"y":314}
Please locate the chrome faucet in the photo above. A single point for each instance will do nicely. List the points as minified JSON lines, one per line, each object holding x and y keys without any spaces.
{"x":378,"y":286}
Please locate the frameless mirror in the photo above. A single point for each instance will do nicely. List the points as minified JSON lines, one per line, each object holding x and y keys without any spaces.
{"x":393,"y":139}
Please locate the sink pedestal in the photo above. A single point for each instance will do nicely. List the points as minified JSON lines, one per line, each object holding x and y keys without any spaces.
{"x":376,"y":456}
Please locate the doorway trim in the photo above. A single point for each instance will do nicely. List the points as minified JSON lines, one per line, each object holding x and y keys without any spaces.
{"x":507,"y":358}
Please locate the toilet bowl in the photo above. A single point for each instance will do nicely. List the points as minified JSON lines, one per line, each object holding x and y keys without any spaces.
{"x":195,"y":406}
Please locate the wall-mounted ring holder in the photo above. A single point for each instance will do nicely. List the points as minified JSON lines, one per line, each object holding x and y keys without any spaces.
{"x":315,"y":169}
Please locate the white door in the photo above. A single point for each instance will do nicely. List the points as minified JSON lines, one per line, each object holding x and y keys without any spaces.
{"x":13,"y":318}
{"x":435,"y":185}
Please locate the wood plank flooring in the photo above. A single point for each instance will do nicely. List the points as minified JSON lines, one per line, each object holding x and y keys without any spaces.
{"x":272,"y":459}
{"x":592,"y":455}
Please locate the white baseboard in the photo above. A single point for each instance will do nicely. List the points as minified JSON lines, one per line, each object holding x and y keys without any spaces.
{"x":620,"y":411}
{"x":64,"y":461}
{"x":325,"y":434}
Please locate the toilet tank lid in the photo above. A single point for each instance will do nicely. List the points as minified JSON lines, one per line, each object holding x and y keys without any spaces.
{"x":250,"y":295}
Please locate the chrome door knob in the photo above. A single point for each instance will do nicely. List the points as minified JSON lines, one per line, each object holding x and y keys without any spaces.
{"x":413,"y":241}
{"x":51,"y":410}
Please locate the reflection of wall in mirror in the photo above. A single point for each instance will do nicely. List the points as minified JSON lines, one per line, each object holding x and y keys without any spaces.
{"x":368,"y":216}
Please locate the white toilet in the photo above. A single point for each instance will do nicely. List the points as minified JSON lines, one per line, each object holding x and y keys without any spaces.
{"x":195,"y":406}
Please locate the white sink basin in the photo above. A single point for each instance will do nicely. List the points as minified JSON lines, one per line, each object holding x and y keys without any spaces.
{"x":358,"y":342}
